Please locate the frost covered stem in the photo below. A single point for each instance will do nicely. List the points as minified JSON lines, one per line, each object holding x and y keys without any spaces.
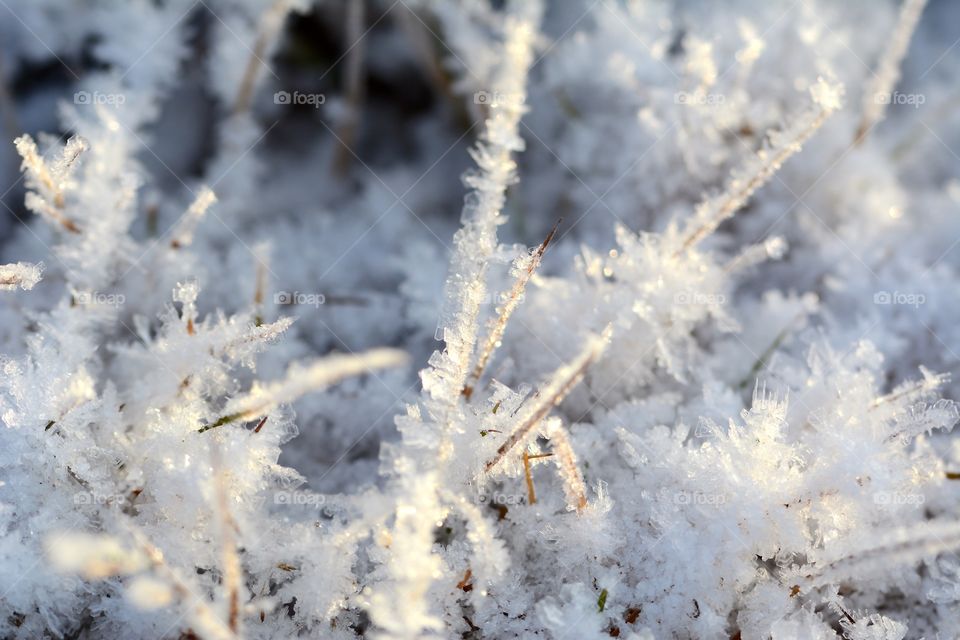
{"x":903,"y":546}
{"x":913,"y":390}
{"x":301,"y":380}
{"x":761,"y":362}
{"x":270,"y":25}
{"x":877,"y":96}
{"x":203,"y":616}
{"x":422,"y":41}
{"x":574,"y":488}
{"x":528,"y":475}
{"x":503,"y":316}
{"x":49,"y":183}
{"x":744,"y":181}
{"x":354,"y":86}
{"x":561,"y":383}
{"x":771,"y":249}
{"x":476,"y":241}
{"x":232,"y":567}
{"x":187,"y":226}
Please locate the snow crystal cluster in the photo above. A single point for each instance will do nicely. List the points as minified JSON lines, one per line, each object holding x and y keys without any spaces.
{"x":479,"y":319}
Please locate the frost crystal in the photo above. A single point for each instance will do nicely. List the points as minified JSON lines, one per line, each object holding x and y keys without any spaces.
{"x":22,"y":274}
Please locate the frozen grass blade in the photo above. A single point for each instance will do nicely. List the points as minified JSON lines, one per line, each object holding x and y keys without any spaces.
{"x":269,"y":28}
{"x":561,"y":383}
{"x":525,"y":271}
{"x":476,"y":241}
{"x":574,"y":488}
{"x":354,"y":89}
{"x":50,"y":183}
{"x":182,"y":235}
{"x":903,"y":546}
{"x":301,"y":380}
{"x":232,"y":566}
{"x":877,"y":96}
{"x":757,"y":171}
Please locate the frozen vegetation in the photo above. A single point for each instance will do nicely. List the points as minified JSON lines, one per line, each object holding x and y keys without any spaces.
{"x":472,"y":319}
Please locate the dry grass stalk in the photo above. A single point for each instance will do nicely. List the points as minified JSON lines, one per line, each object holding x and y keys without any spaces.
{"x":901,"y":546}
{"x":772,"y":248}
{"x":744,"y":181}
{"x":187,"y":225}
{"x":301,"y":380}
{"x":232,"y":567}
{"x":531,"y":493}
{"x":574,"y":487}
{"x":503,"y":313}
{"x":202,"y":614}
{"x":269,"y":28}
{"x":916,"y":388}
{"x":561,"y":383}
{"x":422,"y":40}
{"x":259,"y":291}
{"x":877,"y":96}
{"x":49,"y":183}
{"x":354,"y":89}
